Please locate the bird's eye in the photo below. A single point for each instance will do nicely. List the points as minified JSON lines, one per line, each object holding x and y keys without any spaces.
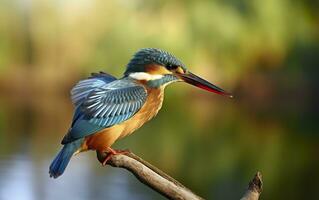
{"x":175,"y":69}
{"x":171,"y":67}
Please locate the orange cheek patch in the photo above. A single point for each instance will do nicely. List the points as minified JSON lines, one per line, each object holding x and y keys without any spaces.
{"x":156,"y":69}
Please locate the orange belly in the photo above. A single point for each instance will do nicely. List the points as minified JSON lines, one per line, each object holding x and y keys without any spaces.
{"x":102,"y":140}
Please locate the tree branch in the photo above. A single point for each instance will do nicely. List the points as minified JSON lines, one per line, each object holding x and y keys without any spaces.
{"x":254,"y":188}
{"x":163,"y":183}
{"x":150,"y":175}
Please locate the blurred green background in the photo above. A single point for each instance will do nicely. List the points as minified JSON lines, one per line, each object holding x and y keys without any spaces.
{"x":265,"y":52}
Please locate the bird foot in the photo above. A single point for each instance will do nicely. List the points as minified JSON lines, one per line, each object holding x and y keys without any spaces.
{"x":111,"y":152}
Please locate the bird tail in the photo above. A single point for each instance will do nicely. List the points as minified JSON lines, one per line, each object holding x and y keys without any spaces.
{"x":60,"y":162}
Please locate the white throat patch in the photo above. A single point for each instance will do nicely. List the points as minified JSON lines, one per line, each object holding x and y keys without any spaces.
{"x":145,"y":76}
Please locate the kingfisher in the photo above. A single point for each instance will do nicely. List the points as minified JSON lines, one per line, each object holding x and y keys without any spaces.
{"x":107,"y":108}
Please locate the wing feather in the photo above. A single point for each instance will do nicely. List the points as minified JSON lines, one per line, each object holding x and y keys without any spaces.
{"x":80,"y":91}
{"x":105,"y":106}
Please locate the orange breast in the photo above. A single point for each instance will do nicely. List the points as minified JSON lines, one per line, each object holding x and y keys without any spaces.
{"x":105,"y":138}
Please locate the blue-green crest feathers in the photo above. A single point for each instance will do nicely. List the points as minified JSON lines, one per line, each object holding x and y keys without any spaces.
{"x":148,"y":56}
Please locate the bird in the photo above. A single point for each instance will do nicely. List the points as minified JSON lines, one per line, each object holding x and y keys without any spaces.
{"x":107,"y":109}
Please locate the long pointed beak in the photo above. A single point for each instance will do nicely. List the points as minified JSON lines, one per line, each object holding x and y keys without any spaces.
{"x":197,"y":81}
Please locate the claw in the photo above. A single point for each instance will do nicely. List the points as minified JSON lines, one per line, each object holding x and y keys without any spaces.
{"x":107,"y":158}
{"x":112,"y":152}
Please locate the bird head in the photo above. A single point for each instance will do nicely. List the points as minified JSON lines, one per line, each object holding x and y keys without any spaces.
{"x":156,"y":68}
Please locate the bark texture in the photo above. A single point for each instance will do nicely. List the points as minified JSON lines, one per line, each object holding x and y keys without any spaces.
{"x":163,"y":183}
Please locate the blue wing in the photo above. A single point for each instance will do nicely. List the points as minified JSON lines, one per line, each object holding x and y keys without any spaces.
{"x":81,"y":90}
{"x":105,"y":105}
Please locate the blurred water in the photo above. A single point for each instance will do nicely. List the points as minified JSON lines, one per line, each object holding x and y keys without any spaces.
{"x":24,"y":179}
